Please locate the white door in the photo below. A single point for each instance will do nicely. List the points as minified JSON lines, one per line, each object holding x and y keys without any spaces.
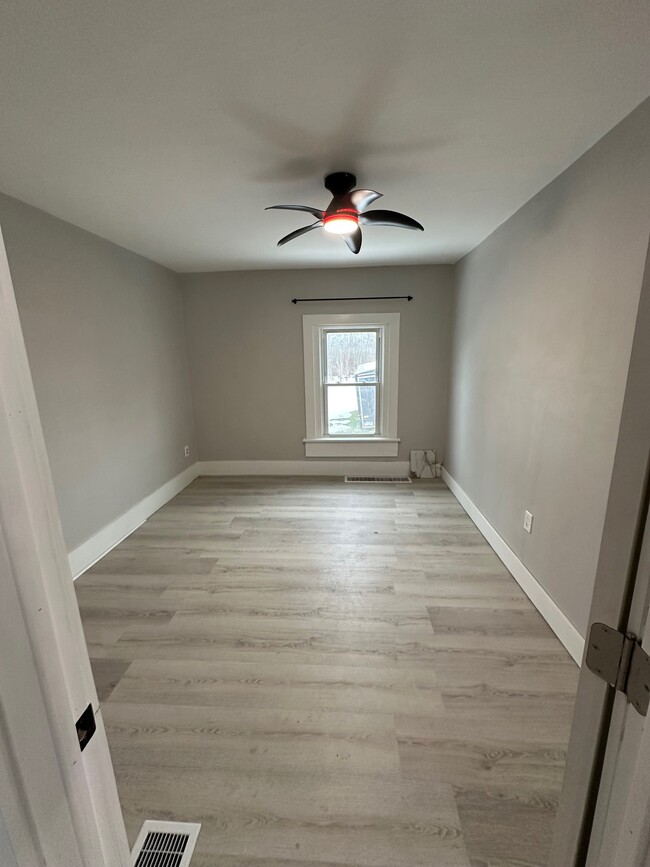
{"x":621,"y":832}
{"x":607,"y":780}
{"x":58,"y":805}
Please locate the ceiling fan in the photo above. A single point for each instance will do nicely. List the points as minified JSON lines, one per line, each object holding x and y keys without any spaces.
{"x":346,"y":213}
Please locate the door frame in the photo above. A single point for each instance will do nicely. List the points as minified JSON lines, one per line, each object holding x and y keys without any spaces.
{"x":614,"y":590}
{"x":59,"y":805}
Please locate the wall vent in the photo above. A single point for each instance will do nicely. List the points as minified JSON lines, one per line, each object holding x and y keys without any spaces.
{"x":373,"y":480}
{"x":165,"y":844}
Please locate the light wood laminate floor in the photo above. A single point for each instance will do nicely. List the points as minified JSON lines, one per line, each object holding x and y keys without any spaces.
{"x":328,"y":674}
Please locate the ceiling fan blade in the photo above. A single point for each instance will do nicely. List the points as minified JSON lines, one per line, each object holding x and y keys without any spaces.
{"x":298,"y":232}
{"x":389,"y":218}
{"x":315,"y":211}
{"x":361,"y":199}
{"x":353,"y":240}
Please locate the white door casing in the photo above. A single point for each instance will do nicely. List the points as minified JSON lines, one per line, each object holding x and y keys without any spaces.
{"x":59,"y":806}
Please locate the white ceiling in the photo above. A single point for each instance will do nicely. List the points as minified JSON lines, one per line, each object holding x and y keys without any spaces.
{"x":168,"y":125}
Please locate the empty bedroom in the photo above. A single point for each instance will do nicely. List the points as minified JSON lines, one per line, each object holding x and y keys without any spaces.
{"x":324,"y":433}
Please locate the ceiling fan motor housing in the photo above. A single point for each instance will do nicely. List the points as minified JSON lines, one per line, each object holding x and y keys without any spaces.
{"x":340,"y":183}
{"x":334,"y":211}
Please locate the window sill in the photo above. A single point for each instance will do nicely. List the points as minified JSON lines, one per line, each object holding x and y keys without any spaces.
{"x":357,"y":447}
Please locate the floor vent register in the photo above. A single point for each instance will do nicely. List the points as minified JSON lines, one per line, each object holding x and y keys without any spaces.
{"x":375,"y":480}
{"x":165,"y":844}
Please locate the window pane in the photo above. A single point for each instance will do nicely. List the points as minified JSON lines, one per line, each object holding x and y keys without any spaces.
{"x":351,"y":356}
{"x":351,"y":410}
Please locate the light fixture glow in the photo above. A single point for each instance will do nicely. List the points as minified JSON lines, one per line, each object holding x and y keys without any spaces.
{"x":340,"y":225}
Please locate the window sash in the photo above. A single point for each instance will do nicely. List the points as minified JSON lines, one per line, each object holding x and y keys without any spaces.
{"x":350,"y":384}
{"x":376,"y":383}
{"x":352,"y":435}
{"x":347,"y":330}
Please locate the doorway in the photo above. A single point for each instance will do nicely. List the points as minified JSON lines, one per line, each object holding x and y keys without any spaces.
{"x":38,"y":599}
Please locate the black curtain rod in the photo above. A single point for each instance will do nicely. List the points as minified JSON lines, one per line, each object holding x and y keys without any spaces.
{"x":358,"y":298}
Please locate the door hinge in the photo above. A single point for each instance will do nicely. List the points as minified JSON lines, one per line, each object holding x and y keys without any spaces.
{"x":619,"y":660}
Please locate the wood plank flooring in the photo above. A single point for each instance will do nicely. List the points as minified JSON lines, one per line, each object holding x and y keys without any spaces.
{"x":325,"y":674}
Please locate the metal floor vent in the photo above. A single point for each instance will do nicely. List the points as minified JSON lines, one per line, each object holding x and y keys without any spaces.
{"x":369,"y":480}
{"x":165,"y":844}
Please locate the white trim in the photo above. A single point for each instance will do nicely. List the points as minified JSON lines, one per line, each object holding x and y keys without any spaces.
{"x":354,"y":440}
{"x":352,"y":447}
{"x":65,"y":802}
{"x":312,"y":327}
{"x":303,"y":468}
{"x":93,"y":549}
{"x":550,"y":611}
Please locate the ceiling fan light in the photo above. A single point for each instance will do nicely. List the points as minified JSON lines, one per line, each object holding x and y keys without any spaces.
{"x":340,"y":224}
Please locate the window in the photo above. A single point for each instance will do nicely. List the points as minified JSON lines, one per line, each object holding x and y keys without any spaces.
{"x":351,"y":358}
{"x":351,"y":369}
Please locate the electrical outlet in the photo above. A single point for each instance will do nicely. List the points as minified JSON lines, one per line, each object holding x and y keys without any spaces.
{"x":528,"y":522}
{"x":187,"y":451}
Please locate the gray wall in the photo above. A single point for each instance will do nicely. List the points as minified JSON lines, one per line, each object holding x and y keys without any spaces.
{"x":246,"y":356}
{"x":544,"y":318}
{"x":106,"y":346}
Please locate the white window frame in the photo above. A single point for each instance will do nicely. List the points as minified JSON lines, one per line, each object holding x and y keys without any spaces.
{"x":319,"y":444}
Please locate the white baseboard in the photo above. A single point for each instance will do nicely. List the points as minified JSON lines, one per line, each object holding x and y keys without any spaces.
{"x":304,"y":468}
{"x":93,"y":549}
{"x":552,"y":614}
